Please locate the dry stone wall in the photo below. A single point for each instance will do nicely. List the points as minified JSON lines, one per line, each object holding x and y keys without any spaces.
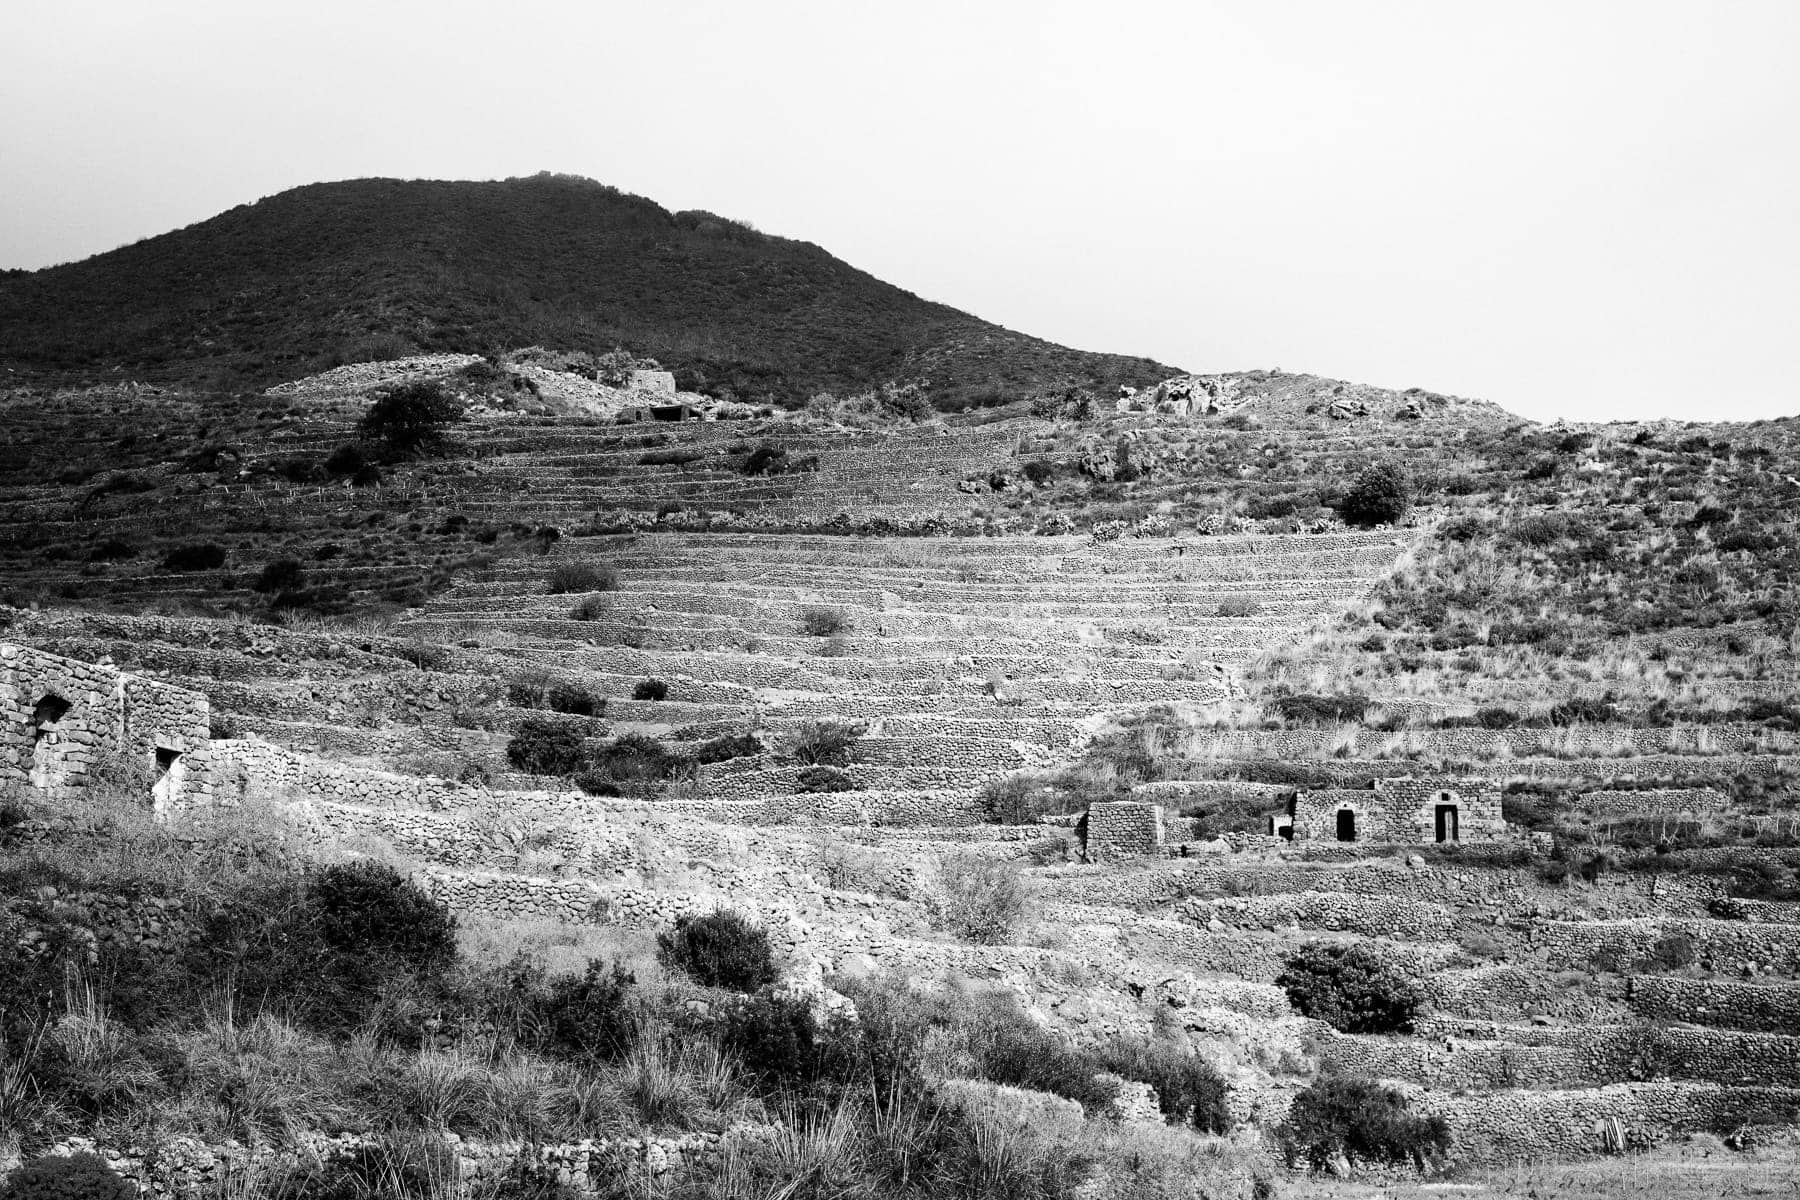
{"x":65,"y":723}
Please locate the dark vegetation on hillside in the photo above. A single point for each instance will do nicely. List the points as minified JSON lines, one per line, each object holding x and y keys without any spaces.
{"x":381,"y":268}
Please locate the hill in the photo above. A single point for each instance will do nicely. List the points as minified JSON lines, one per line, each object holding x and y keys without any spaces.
{"x":379,"y":268}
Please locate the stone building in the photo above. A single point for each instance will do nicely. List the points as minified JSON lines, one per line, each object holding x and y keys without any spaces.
{"x":63,"y":723}
{"x":1394,"y":810}
{"x":1122,"y":829}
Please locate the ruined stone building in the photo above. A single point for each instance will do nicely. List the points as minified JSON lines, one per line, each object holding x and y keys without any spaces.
{"x":66,"y":723}
{"x":1394,"y":810}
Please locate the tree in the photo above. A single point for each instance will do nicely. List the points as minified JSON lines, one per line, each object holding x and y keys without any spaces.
{"x":410,"y":418}
{"x":1380,"y":496}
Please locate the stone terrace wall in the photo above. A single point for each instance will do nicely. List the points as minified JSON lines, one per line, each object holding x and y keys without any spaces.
{"x":63,"y":721}
{"x":1774,"y":1008}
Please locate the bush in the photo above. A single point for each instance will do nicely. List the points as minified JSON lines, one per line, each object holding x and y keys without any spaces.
{"x":1359,"y":1120}
{"x":590,"y":608}
{"x":1039,"y":470}
{"x":1011,"y":1049}
{"x":112,"y":550}
{"x":365,"y":909}
{"x":546,"y":748}
{"x":347,"y":459}
{"x":282,"y":575}
{"x":74,"y":1177}
{"x":202,"y":557}
{"x":581,"y":577}
{"x":1189,"y":1091}
{"x":1239,"y":606}
{"x":595,"y":782}
{"x":1321,"y":710}
{"x":590,"y":1015}
{"x":820,"y":621}
{"x":1580,"y":711}
{"x":981,"y":900}
{"x":824,"y":779}
{"x":728,"y":746}
{"x":720,"y":949}
{"x":1380,"y":496}
{"x":637,"y":758}
{"x":1351,"y":988}
{"x":577,"y":701}
{"x":822,"y":743}
{"x":650,"y":689}
{"x":411,"y":418}
{"x":766,"y":459}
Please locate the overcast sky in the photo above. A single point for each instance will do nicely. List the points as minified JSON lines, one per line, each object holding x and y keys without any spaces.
{"x":1578,"y":209}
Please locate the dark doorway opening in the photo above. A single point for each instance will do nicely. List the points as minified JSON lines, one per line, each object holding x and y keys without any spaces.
{"x":1446,"y":823}
{"x":46,"y":741}
{"x":1346,"y":825}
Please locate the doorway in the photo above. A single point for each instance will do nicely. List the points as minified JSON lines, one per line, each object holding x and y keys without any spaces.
{"x":1346,"y":825}
{"x":46,"y":741}
{"x":1446,"y":823}
{"x":167,"y":788}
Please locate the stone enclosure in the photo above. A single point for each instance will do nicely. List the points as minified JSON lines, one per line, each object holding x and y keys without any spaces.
{"x":68,"y":723}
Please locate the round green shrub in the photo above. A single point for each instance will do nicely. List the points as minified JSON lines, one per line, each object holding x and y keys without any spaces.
{"x":1380,"y":496}
{"x":1351,"y":988}
{"x":540,"y":747}
{"x":367,"y":908}
{"x":71,"y":1177}
{"x":720,"y":949}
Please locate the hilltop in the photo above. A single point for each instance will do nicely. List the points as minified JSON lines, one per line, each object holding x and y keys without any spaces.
{"x":380,"y":268}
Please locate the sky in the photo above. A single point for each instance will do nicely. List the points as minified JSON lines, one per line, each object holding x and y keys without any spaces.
{"x":1582,"y":209}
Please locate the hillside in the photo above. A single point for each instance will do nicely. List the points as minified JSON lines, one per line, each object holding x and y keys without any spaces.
{"x":379,"y":268}
{"x":1168,"y":836}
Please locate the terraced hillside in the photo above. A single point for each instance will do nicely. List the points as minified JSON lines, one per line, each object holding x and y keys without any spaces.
{"x":633,"y":683}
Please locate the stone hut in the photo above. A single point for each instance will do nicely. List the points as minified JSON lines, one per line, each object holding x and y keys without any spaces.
{"x":1408,"y":810}
{"x":1122,"y":829}
{"x":64,"y":722}
{"x":660,"y":383}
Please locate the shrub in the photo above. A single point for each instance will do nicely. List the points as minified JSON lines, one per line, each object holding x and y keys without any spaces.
{"x":728,"y":746}
{"x":200,"y":557}
{"x":637,"y":758}
{"x":1239,"y":606}
{"x":1351,"y":988}
{"x":1322,"y":710}
{"x":570,"y":577}
{"x":529,"y":689}
{"x":545,"y":748}
{"x":720,"y":949}
{"x":1189,"y":1091}
{"x":347,"y":459}
{"x":1359,"y":1120}
{"x":411,"y":418}
{"x":822,"y":743}
{"x":366,"y":909}
{"x":73,"y":1177}
{"x":112,"y":550}
{"x":590,"y":608}
{"x":824,"y":779}
{"x":578,"y":701}
{"x":1011,"y":1049}
{"x":766,"y":459}
{"x":820,"y":621}
{"x":650,"y":689}
{"x":981,"y":900}
{"x":1380,"y":496}
{"x":1583,"y":711}
{"x":590,"y":1014}
{"x":1039,"y":470}
{"x":595,"y":782}
{"x":282,"y":575}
